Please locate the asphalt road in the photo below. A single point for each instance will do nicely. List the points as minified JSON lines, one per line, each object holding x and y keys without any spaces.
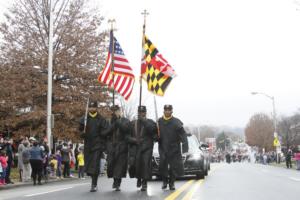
{"x":237,"y":181}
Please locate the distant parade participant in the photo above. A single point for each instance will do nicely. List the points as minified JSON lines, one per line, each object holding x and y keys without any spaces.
{"x":141,"y":141}
{"x":93,"y":128}
{"x":228,"y":157}
{"x":172,"y":134}
{"x":288,"y":158}
{"x":117,"y":147}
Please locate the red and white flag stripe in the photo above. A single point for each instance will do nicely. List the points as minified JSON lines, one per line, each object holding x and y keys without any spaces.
{"x":123,"y":77}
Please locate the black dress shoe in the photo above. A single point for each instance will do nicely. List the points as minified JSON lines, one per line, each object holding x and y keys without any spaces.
{"x":144,"y":185}
{"x":118,"y":188}
{"x":94,"y":188}
{"x":172,"y":186}
{"x":164,"y":185}
{"x":144,"y":188}
{"x":139,"y":183}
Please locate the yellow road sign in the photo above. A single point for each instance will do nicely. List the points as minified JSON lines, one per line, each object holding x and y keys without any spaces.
{"x":276,"y":142}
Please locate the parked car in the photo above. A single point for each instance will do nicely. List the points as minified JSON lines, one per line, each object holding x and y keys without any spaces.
{"x":196,"y":161}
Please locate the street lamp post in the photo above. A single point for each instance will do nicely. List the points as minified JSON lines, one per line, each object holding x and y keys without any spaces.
{"x":50,"y":65}
{"x":274,"y":118}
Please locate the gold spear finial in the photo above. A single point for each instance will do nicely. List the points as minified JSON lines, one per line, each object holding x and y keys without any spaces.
{"x":111,"y":22}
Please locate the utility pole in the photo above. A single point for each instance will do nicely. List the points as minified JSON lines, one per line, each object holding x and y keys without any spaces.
{"x":49,"y":91}
{"x":278,"y":147}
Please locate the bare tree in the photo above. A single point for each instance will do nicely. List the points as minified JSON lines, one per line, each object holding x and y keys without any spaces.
{"x":259,"y":131}
{"x":222,"y":141}
{"x":289,"y":130}
{"x":79,"y":49}
{"x":208,"y":132}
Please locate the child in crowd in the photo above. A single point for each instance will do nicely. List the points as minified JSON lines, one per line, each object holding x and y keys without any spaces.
{"x":53,"y":166}
{"x":80,"y":159}
{"x":1,"y":171}
{"x":3,"y":163}
{"x":59,"y":161}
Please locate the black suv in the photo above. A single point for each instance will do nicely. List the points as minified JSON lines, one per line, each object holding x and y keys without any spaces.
{"x":195,"y":160}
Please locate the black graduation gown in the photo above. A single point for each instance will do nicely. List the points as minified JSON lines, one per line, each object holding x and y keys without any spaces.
{"x":117,"y":148}
{"x":94,"y":142}
{"x":172,"y":134}
{"x":141,"y":141}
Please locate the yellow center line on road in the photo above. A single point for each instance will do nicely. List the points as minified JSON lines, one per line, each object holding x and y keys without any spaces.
{"x":177,"y":192}
{"x":190,"y":194}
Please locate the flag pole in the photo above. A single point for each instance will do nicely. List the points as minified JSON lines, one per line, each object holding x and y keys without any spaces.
{"x":156,"y":117}
{"x":86,"y":114}
{"x":155,"y":107}
{"x":112,"y":21}
{"x":145,"y":13}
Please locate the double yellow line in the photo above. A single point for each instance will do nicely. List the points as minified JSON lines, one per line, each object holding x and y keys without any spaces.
{"x":190,"y":193}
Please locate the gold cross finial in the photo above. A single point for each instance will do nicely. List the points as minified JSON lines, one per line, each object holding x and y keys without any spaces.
{"x":145,"y":13}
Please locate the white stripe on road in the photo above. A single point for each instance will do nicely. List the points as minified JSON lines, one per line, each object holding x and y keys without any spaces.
{"x":57,"y":190}
{"x":79,"y":184}
{"x":36,"y":194}
{"x":295,"y":179}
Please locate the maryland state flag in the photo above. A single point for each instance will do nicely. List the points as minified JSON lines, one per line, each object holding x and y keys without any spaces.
{"x":155,"y":69}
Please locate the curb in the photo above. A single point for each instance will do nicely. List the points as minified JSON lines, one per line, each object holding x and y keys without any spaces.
{"x":283,"y":165}
{"x":21,"y":184}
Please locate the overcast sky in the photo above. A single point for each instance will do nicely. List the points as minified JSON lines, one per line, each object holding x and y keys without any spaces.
{"x":221,"y":50}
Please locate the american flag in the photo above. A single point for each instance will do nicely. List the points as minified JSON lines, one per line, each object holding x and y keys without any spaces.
{"x":123,"y":74}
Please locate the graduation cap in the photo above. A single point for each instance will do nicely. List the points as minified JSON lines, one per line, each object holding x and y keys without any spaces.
{"x":115,"y":108}
{"x":93,"y":104}
{"x":142,"y":109}
{"x":168,"y":107}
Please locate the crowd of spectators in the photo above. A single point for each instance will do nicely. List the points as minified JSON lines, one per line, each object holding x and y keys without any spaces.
{"x":288,"y":156}
{"x":34,"y":162}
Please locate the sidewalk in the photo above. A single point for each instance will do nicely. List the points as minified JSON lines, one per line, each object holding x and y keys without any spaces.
{"x":15,"y":178}
{"x":30,"y":183}
{"x":283,"y":165}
